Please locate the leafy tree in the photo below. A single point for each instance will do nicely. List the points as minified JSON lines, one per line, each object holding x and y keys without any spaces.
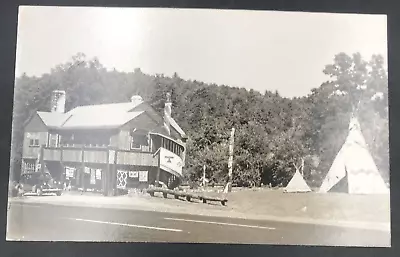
{"x":272,"y":132}
{"x":352,"y":92}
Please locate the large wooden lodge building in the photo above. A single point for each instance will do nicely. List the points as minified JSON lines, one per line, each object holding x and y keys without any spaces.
{"x":106,"y":147}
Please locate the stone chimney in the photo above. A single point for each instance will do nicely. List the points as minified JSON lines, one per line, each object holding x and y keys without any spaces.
{"x":136,"y":99}
{"x":167,"y":113}
{"x":58,"y":98}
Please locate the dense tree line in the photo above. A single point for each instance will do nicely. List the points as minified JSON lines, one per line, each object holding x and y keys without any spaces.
{"x":272,"y":132}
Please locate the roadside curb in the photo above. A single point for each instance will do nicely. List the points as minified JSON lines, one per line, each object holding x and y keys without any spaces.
{"x":378,"y":226}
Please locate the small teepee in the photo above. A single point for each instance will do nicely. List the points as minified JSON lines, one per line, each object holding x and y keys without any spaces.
{"x":297,"y":184}
{"x":354,"y":168}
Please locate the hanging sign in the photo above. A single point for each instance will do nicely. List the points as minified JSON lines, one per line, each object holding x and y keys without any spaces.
{"x":133,"y":174}
{"x":143,"y":176}
{"x":170,"y":162}
{"x":121,"y":179}
{"x":98,"y":174}
{"x":87,"y":170}
{"x":38,"y":167}
{"x":69,"y":172}
{"x":92,"y":177}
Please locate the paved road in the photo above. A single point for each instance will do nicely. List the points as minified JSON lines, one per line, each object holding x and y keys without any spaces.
{"x":44,"y":222}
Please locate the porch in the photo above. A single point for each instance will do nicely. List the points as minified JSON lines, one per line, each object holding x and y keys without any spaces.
{"x":106,"y":170}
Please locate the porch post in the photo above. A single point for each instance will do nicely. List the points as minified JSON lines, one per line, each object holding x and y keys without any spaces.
{"x":63,"y":175}
{"x":106,"y":174}
{"x":158,"y":170}
{"x":41,"y":159}
{"x":113,"y":173}
{"x":158,"y":166}
{"x":83,"y":169}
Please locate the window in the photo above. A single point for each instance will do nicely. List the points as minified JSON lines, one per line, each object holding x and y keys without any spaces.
{"x":139,"y":140}
{"x":33,"y":139}
{"x":135,"y":144}
{"x":33,"y":142}
{"x":53,"y":140}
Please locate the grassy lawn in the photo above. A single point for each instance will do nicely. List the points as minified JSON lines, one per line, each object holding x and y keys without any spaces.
{"x":332,"y":206}
{"x":313,"y":205}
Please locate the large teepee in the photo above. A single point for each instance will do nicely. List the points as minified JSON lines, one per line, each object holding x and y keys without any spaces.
{"x":297,"y":184}
{"x":354,"y":167}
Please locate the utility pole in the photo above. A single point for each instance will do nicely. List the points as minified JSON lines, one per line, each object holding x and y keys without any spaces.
{"x":230,"y":162}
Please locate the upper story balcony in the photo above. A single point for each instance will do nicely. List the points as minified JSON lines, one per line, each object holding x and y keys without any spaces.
{"x":162,"y":151}
{"x":99,"y":156}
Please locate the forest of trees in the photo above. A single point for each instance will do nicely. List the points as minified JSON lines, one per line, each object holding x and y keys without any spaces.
{"x":272,"y":132}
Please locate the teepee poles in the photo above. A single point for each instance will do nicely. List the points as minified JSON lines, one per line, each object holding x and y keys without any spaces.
{"x":301,"y":168}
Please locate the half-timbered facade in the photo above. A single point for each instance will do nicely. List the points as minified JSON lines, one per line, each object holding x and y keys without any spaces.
{"x":106,"y":147}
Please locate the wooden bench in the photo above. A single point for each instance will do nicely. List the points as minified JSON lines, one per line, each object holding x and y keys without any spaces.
{"x":187,"y":196}
{"x":213,"y":199}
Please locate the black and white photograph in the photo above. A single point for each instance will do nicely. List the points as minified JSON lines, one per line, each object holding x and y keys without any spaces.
{"x":200,"y":126}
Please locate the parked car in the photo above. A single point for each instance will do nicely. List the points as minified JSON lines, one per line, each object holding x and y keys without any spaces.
{"x":13,"y":188}
{"x":39,"y":183}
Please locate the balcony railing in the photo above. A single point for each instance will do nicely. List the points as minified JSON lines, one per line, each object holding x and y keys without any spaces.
{"x":165,"y":153}
{"x":91,"y":155}
{"x":95,"y":156}
{"x":52,"y":154}
{"x":136,"y":158}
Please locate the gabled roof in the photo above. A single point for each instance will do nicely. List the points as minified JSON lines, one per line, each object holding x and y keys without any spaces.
{"x":99,"y":108}
{"x":100,"y":116}
{"x":99,"y":120}
{"x":53,"y":119}
{"x":92,"y":116}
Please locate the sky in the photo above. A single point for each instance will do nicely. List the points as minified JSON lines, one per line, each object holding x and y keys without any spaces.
{"x":260,"y":50}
